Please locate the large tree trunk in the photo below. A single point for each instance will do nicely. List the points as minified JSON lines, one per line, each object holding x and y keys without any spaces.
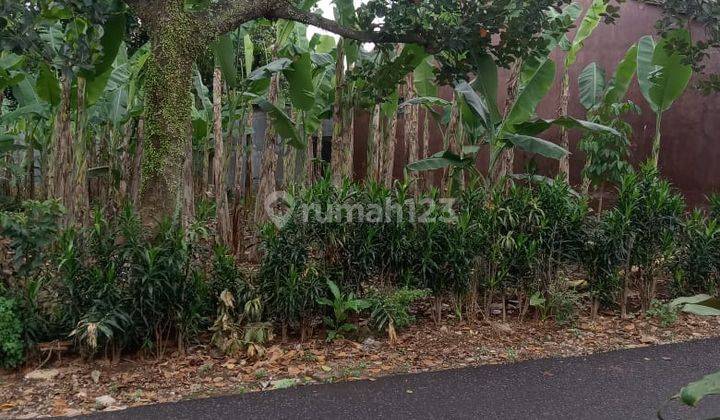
{"x":221,"y":201}
{"x":167,"y":166}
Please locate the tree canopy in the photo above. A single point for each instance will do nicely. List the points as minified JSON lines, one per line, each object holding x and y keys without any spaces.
{"x":706,"y":13}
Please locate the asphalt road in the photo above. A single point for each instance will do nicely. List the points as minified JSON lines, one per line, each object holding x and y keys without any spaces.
{"x":629,"y":384}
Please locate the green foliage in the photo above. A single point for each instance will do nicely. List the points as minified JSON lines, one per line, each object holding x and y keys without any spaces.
{"x":607,"y":154}
{"x":289,"y":283}
{"x":662,"y":73}
{"x":602,"y":256}
{"x":463,"y":32}
{"x":697,"y":264}
{"x":12,"y":347}
{"x":702,"y":305}
{"x":120,"y":289}
{"x":342,"y":306}
{"x":677,"y":15}
{"x":665,"y":313}
{"x":391,"y":311}
{"x":649,"y":213}
{"x":31,"y":232}
{"x":694,"y":392}
{"x":562,"y":303}
{"x":226,"y":275}
{"x":236,"y":330}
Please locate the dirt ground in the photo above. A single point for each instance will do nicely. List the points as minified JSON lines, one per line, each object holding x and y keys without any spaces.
{"x":74,"y":386}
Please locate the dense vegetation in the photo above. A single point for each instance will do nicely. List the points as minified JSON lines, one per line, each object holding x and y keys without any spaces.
{"x":128,"y":189}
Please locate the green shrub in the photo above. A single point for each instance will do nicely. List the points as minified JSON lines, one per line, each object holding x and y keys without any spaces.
{"x":12,"y":352}
{"x":31,"y":232}
{"x":391,"y":311}
{"x":602,"y":257}
{"x":342,"y":306}
{"x":714,"y":206}
{"x":120,"y":289}
{"x":697,"y":265}
{"x":663,"y":312}
{"x":226,"y":275}
{"x":650,"y":213}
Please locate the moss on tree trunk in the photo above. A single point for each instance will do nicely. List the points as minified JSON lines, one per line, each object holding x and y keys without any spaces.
{"x":168,"y":124}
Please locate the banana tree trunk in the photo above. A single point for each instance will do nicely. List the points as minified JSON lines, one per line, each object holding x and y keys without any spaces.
{"x":269,"y":161}
{"x":247,"y":157}
{"x":655,"y":158}
{"x":564,"y":168}
{"x":30,"y":166}
{"x":343,"y":121}
{"x":390,"y":142}
{"x":136,"y":168}
{"x":426,"y":176}
{"x":60,"y":185}
{"x":506,"y":165}
{"x":309,"y":161}
{"x":452,"y":143}
{"x":375,"y":145}
{"x":224,"y":233}
{"x":82,"y":203}
{"x":124,"y":165}
{"x":411,"y":127}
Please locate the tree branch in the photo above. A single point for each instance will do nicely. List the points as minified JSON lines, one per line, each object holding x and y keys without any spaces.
{"x":141,"y":8}
{"x":230,"y":14}
{"x":290,"y":12}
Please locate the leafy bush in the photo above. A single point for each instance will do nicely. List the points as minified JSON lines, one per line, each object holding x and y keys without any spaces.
{"x":602,"y":257}
{"x":391,"y":311}
{"x":697,"y":266}
{"x":233,"y":332}
{"x":665,"y":313}
{"x":562,"y":303}
{"x":524,"y":235}
{"x":649,"y":212}
{"x":31,"y":232}
{"x":607,"y":154}
{"x":342,"y":306}
{"x":119,"y":289}
{"x":226,"y":275}
{"x":12,"y":351}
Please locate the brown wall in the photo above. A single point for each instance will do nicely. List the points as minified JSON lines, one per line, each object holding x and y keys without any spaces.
{"x":691,"y":128}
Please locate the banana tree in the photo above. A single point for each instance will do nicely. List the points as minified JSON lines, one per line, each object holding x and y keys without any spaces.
{"x":663,"y":75}
{"x":517,"y":129}
{"x":606,"y":155}
{"x":589,"y":23}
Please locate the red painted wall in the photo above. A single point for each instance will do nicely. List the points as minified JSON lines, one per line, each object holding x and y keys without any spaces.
{"x":691,"y":129}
